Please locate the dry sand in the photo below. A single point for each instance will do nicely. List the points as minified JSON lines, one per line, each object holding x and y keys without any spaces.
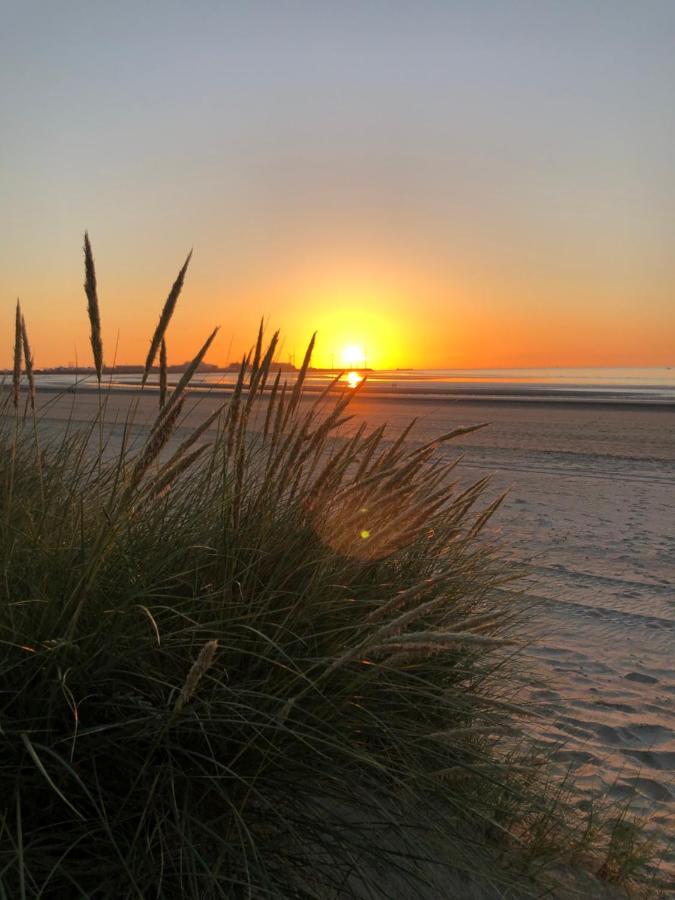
{"x":592,"y":505}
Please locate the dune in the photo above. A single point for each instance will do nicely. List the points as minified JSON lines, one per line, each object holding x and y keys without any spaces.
{"x":591,"y":496}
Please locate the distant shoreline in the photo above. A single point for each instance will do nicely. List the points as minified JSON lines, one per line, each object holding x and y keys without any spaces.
{"x":470,"y":394}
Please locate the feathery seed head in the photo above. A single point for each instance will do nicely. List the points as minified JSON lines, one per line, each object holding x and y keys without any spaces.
{"x":28,"y":361}
{"x":16,"y":374}
{"x":199,"y":668}
{"x":93,"y":307}
{"x":165,"y":317}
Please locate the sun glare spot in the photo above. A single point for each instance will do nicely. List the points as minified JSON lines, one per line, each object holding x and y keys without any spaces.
{"x":353,"y":378}
{"x":365,"y":534}
{"x":353,"y":355}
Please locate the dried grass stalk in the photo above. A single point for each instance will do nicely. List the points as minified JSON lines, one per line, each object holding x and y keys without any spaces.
{"x":258,"y":370}
{"x":433,"y":645}
{"x":486,"y":515}
{"x":160,"y":434}
{"x":28,"y":361}
{"x":194,"y":436}
{"x":232,"y":417}
{"x":296,"y":393}
{"x":453,"y":734}
{"x":16,"y":373}
{"x":271,"y":403}
{"x":186,"y":377}
{"x":162,"y":373}
{"x":402,"y":598}
{"x":445,"y":638}
{"x":165,"y":317}
{"x":93,"y":307}
{"x":397,"y":625}
{"x":173,"y":471}
{"x":199,"y":668}
{"x":266,"y":363}
{"x":258,"y":351}
{"x":449,"y":436}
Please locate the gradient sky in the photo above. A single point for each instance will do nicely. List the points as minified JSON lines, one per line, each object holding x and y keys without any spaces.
{"x":445,"y":184}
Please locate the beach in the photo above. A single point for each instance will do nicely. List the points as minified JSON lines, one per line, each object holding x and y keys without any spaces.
{"x":591,"y":505}
{"x":591,"y":496}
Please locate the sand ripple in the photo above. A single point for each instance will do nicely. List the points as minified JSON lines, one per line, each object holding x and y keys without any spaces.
{"x":592,"y":504}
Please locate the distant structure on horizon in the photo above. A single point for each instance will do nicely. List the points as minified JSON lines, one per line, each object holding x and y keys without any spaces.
{"x":131,"y":369}
{"x":283,"y":366}
{"x":139,"y":368}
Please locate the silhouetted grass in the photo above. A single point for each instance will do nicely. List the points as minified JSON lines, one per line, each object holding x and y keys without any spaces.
{"x":93,"y":309}
{"x":157,"y":341}
{"x":261,"y":661}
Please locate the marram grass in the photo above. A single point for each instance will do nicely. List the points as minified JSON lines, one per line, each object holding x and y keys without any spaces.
{"x":157,"y":341}
{"x":93,"y":310}
{"x":258,"y":660}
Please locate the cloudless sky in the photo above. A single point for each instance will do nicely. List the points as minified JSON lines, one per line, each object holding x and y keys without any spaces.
{"x":442,"y":183}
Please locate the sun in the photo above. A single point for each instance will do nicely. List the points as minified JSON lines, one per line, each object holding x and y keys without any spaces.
{"x":353,"y":355}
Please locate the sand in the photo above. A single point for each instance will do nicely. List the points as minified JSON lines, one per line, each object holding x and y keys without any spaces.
{"x":592,"y":506}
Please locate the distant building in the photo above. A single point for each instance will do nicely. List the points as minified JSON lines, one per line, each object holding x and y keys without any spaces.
{"x":275,"y":366}
{"x":129,"y":369}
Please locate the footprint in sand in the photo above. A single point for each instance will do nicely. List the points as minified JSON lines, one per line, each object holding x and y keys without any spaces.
{"x":643,"y":679}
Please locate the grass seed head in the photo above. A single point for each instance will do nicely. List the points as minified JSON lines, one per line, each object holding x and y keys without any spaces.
{"x":16,"y":372}
{"x":28,"y":362}
{"x":93,"y":310}
{"x":199,"y":668}
{"x":165,"y":317}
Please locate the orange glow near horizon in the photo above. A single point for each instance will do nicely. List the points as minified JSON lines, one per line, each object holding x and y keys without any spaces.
{"x":358,"y":311}
{"x":384,"y":313}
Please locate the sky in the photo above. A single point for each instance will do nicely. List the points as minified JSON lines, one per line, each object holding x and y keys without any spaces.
{"x":439,"y":184}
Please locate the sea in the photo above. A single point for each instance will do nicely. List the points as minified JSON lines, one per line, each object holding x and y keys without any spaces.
{"x":649,"y":385}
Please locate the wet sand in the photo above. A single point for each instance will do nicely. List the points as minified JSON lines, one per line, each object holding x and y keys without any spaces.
{"x":592,"y":506}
